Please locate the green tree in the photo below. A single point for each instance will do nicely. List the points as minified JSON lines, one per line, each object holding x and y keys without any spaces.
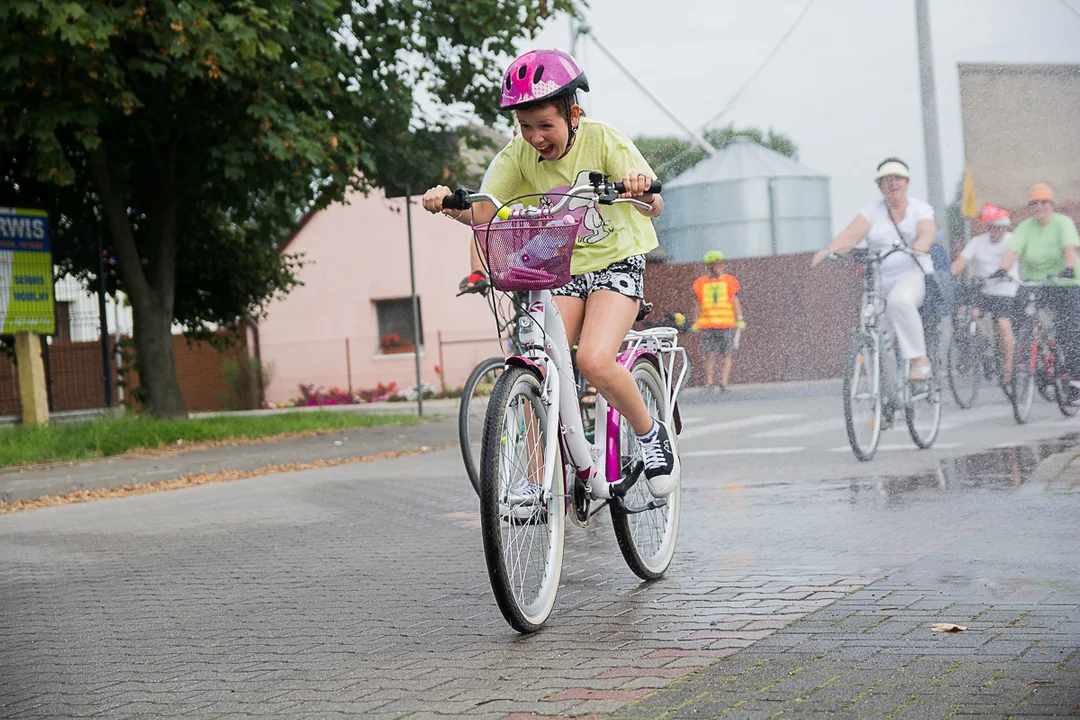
{"x":195,"y":134}
{"x":671,"y":156}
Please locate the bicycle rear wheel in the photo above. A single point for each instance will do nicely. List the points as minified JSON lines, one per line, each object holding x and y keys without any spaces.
{"x":522,"y":525}
{"x":1062,"y":389}
{"x":862,"y":398}
{"x":1023,"y":379}
{"x":646,"y":528}
{"x":472,"y":411}
{"x":965,"y":361}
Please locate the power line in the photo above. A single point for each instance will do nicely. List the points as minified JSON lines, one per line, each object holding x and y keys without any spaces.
{"x":1073,"y":10}
{"x":753,"y":77}
{"x":693,"y":135}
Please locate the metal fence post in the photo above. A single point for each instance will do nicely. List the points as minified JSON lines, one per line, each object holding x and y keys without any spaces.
{"x":103,"y":323}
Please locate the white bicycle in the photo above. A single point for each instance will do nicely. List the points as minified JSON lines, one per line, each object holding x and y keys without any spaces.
{"x":537,"y":466}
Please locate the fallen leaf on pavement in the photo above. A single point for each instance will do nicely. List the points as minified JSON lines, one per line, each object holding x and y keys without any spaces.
{"x":190,"y":480}
{"x":947,"y":627}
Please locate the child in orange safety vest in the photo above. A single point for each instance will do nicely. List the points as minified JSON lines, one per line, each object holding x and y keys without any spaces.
{"x":719,"y":317}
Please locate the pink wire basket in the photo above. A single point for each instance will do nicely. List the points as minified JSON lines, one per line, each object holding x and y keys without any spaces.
{"x":527,"y":255}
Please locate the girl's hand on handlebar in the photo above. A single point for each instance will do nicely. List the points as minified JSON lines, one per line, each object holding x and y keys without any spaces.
{"x":433,"y":200}
{"x":637,"y":186}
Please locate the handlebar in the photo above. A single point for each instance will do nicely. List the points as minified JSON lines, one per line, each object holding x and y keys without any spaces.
{"x":605,"y":193}
{"x":1050,"y":281}
{"x":869,"y":256}
{"x":655,"y":187}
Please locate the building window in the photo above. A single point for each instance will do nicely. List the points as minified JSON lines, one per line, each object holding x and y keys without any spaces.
{"x":395,"y":322}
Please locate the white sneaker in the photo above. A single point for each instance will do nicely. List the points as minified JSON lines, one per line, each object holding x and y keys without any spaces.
{"x":662,"y":466}
{"x":523,"y":500}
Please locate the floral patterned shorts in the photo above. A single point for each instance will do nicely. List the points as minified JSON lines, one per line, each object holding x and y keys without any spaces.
{"x":626,"y":277}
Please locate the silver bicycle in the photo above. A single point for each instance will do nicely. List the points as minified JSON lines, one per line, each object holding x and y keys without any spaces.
{"x":875,"y":382}
{"x":537,"y":464}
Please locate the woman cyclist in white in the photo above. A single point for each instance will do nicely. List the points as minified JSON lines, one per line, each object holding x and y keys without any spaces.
{"x":896,"y":217}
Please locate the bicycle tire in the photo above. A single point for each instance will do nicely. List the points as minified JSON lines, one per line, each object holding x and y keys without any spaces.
{"x":1023,"y":377}
{"x":964,"y":362}
{"x":860,"y":356}
{"x":507,"y":433}
{"x":1061,"y":383}
{"x":471,"y":417}
{"x":646,"y":536}
{"x":924,"y":434}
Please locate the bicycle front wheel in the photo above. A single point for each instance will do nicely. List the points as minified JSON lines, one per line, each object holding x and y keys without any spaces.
{"x":471,"y":413}
{"x":646,"y":528}
{"x":1023,"y":379}
{"x":922,"y":411}
{"x":965,"y":362}
{"x":522,"y":522}
{"x":1062,"y":389}
{"x":862,"y":398}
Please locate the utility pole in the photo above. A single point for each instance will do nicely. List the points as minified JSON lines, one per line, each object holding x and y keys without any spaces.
{"x":934,"y":188}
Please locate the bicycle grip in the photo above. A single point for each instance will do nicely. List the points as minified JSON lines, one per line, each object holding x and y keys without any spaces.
{"x":655,"y":187}
{"x":457,"y":200}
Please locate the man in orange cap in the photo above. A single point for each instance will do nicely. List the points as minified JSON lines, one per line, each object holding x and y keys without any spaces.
{"x":1046,"y":245}
{"x":996,"y":297}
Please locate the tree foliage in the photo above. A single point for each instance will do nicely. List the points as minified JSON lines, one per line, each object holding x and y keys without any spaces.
{"x":196,"y":133}
{"x":670,"y":156}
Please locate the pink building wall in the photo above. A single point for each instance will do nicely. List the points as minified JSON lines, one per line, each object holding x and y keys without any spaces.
{"x":326,"y":333}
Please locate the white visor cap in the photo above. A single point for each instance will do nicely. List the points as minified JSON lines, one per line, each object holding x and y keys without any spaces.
{"x":892,"y":168}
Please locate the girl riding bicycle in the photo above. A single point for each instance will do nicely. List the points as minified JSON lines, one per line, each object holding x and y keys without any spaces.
{"x":556,"y":149}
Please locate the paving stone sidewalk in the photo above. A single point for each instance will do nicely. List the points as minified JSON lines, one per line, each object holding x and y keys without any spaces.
{"x":27,"y":484}
{"x":873,"y":653}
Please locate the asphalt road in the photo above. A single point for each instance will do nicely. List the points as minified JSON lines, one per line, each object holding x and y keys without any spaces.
{"x":360,"y":590}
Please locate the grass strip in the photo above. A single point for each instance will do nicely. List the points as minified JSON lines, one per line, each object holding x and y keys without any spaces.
{"x":22,"y":445}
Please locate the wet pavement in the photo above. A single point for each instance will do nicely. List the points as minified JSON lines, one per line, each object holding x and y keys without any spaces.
{"x":805,"y":584}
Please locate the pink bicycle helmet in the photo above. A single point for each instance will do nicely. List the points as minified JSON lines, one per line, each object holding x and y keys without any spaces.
{"x":541,"y":75}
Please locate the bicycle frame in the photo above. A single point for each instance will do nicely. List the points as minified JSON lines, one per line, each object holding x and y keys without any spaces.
{"x":547,"y":353}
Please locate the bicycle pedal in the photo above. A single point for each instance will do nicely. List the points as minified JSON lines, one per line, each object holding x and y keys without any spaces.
{"x":654,"y":504}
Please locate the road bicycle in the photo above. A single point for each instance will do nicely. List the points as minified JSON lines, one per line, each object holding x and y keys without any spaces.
{"x":872,"y":388}
{"x":537,"y":466}
{"x":476,"y":392}
{"x":1039,"y":358}
{"x":973,"y":355}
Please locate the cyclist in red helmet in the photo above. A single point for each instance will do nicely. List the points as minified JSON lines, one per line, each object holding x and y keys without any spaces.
{"x":556,"y":149}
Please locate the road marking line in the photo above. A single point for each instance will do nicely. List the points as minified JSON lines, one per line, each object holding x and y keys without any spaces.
{"x":968,"y":417}
{"x":744,"y":451}
{"x":810,"y":428}
{"x":746,"y":422}
{"x":905,"y":446}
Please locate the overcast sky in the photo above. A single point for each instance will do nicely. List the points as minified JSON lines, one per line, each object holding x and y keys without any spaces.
{"x":844,"y":87}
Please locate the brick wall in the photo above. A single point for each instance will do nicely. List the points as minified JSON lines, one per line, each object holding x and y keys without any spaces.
{"x":799,"y":320}
{"x":76,"y":377}
{"x":198,"y":369}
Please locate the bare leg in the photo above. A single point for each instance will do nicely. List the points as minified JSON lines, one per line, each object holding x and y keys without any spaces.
{"x":710,"y":368}
{"x":608,"y":319}
{"x":725,"y":370}
{"x":1008,"y":346}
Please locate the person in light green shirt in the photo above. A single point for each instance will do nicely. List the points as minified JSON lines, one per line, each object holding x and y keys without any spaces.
{"x":1046,"y":245}
{"x":557,"y":149}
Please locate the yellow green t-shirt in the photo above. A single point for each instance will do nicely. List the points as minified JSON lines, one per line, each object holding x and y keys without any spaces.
{"x":1042,"y":249}
{"x":608,"y":233}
